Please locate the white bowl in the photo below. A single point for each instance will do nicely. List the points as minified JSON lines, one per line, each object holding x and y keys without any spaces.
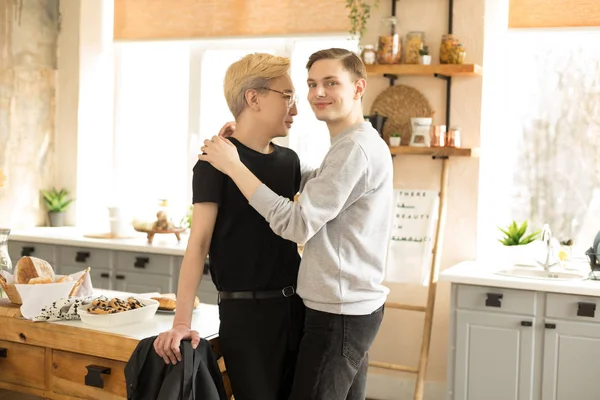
{"x":119,"y":319}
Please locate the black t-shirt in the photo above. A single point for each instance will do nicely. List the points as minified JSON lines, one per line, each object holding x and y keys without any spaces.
{"x":245,"y":254}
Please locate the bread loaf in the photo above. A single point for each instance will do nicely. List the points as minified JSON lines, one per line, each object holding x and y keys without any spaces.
{"x":31,"y":267}
{"x":40,"y":280}
{"x":168,"y":301}
{"x":64,"y":278}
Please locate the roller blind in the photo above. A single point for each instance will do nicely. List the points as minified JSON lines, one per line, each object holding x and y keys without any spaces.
{"x":554,"y":13}
{"x":181,"y":19}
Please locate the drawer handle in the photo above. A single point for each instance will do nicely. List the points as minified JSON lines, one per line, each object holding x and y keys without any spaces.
{"x":526,"y":323}
{"x":140,"y":262}
{"x":586,"y":309}
{"x":94,"y":375}
{"x":26,"y":251}
{"x":550,"y":326}
{"x":104,"y":275}
{"x":493,"y":300}
{"x":120,"y":277}
{"x":3,"y":353}
{"x":82,"y":256}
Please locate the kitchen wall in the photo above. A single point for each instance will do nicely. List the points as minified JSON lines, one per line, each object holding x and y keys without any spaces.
{"x":28,"y":71}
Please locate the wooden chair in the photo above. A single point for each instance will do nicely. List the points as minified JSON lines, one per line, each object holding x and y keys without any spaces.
{"x":216,"y":345}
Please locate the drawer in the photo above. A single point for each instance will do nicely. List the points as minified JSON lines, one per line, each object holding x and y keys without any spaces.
{"x":16,"y":250}
{"x":494,"y":299}
{"x":82,"y":257}
{"x":568,"y":306}
{"x":144,"y":262}
{"x":22,"y":364}
{"x":70,"y":371}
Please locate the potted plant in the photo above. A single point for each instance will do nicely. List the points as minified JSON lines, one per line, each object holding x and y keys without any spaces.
{"x":518,"y":244}
{"x":57,"y":202}
{"x":359,"y":14}
{"x":424,"y":56}
{"x":395,"y":139}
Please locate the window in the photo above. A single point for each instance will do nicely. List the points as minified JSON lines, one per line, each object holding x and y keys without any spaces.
{"x":553,"y":126}
{"x":169,"y":98}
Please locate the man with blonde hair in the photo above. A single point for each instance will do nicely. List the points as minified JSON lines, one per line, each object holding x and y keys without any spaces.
{"x":254,"y":269}
{"x":343,"y":215}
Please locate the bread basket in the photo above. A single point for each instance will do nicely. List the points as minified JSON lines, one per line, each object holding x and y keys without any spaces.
{"x":14,"y":296}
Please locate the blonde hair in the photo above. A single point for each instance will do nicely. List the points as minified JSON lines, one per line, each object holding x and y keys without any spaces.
{"x":254,"y":71}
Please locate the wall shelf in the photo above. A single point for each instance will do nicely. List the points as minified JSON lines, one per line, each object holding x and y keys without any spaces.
{"x":425,"y":70}
{"x":434,"y":151}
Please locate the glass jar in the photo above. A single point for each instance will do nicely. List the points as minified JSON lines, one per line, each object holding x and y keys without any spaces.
{"x":5,"y":263}
{"x":447,"y":48}
{"x":389,"y":45}
{"x":369,"y":55}
{"x":413,"y":44}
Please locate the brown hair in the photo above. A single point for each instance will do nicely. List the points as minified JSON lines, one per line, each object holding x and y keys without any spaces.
{"x":254,"y":71}
{"x":351,"y":62}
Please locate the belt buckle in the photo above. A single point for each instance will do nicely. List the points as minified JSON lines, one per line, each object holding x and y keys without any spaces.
{"x":288,"y":291}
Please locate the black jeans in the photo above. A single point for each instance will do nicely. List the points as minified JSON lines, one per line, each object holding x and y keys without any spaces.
{"x":333,"y":359}
{"x":260,"y":341}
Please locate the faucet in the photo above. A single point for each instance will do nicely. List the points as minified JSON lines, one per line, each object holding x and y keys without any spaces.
{"x":547,"y":239}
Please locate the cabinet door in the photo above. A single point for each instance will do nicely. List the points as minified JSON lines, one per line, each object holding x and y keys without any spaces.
{"x":134,"y":282}
{"x":100,"y":277}
{"x":17,"y":249}
{"x":571,"y":360}
{"x":494,"y":356}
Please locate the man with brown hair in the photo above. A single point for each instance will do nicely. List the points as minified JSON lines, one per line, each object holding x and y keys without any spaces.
{"x":254,"y":270}
{"x":343,"y":216}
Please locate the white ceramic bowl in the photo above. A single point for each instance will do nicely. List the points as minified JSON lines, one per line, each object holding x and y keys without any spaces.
{"x":119,"y":319}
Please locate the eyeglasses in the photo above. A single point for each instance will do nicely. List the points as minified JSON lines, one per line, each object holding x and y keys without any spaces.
{"x":291,"y":99}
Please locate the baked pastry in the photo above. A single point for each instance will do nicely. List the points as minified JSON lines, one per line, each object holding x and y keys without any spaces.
{"x":166,"y":301}
{"x":32,"y":267}
{"x":134,"y":303}
{"x":65,"y":278}
{"x":40,"y":280}
{"x":196,"y":301}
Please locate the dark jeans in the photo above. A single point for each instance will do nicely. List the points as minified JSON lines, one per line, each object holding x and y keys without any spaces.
{"x":333,"y":359}
{"x":260,"y":341}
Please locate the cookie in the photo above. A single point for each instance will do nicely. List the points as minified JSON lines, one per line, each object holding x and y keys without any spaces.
{"x":100,"y":302}
{"x":134,"y":303}
{"x":120,"y":304}
{"x":101,"y":310}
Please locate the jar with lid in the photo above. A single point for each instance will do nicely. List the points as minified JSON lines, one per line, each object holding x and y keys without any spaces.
{"x":457,"y":56}
{"x":447,"y":48}
{"x":414,"y":42}
{"x":5,"y":263}
{"x":389,"y":45}
{"x":369,"y":55}
{"x":453,"y":137}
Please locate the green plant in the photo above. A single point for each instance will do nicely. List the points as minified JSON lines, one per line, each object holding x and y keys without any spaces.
{"x":359,"y":14}
{"x":56,"y":200}
{"x":514,"y":235}
{"x":186,"y":221}
{"x":395,"y":134}
{"x":424,"y":51}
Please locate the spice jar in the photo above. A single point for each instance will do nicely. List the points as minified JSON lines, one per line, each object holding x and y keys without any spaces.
{"x":369,"y":55}
{"x":453,"y":137}
{"x":413,"y":44}
{"x":389,"y":45}
{"x":438,"y":136}
{"x":449,"y":43}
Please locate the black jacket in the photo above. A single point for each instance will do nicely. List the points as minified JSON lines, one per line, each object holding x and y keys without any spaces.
{"x":197,"y":376}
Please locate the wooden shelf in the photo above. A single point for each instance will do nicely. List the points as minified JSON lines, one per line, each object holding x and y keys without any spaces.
{"x":434,"y":151}
{"x":417,"y":69}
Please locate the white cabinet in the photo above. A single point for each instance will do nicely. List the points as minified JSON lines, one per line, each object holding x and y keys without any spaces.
{"x":524,"y":345}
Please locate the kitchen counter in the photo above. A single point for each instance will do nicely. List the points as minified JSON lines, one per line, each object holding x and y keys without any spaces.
{"x":162,"y":244}
{"x":482,"y":274}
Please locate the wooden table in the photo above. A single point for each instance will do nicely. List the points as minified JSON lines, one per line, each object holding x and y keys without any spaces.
{"x":52,"y":359}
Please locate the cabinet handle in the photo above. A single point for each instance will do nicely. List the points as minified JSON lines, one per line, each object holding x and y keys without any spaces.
{"x":493,"y":300}
{"x":26,"y":251}
{"x":104,"y":275}
{"x":586,"y":309}
{"x":3,"y":353}
{"x":94,"y":375}
{"x":140,"y":262}
{"x":526,"y":323}
{"x":550,"y":326}
{"x":82,"y":256}
{"x":120,"y":277}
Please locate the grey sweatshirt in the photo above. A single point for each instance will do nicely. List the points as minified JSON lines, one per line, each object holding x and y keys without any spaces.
{"x":343,"y":216}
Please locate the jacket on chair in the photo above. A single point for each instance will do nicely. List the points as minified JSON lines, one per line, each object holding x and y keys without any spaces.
{"x":195,"y":377}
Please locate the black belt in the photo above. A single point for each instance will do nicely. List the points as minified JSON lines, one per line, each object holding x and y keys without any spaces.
{"x":287,"y":291}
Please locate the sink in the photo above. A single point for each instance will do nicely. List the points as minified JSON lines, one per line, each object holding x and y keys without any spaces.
{"x":536,"y":273}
